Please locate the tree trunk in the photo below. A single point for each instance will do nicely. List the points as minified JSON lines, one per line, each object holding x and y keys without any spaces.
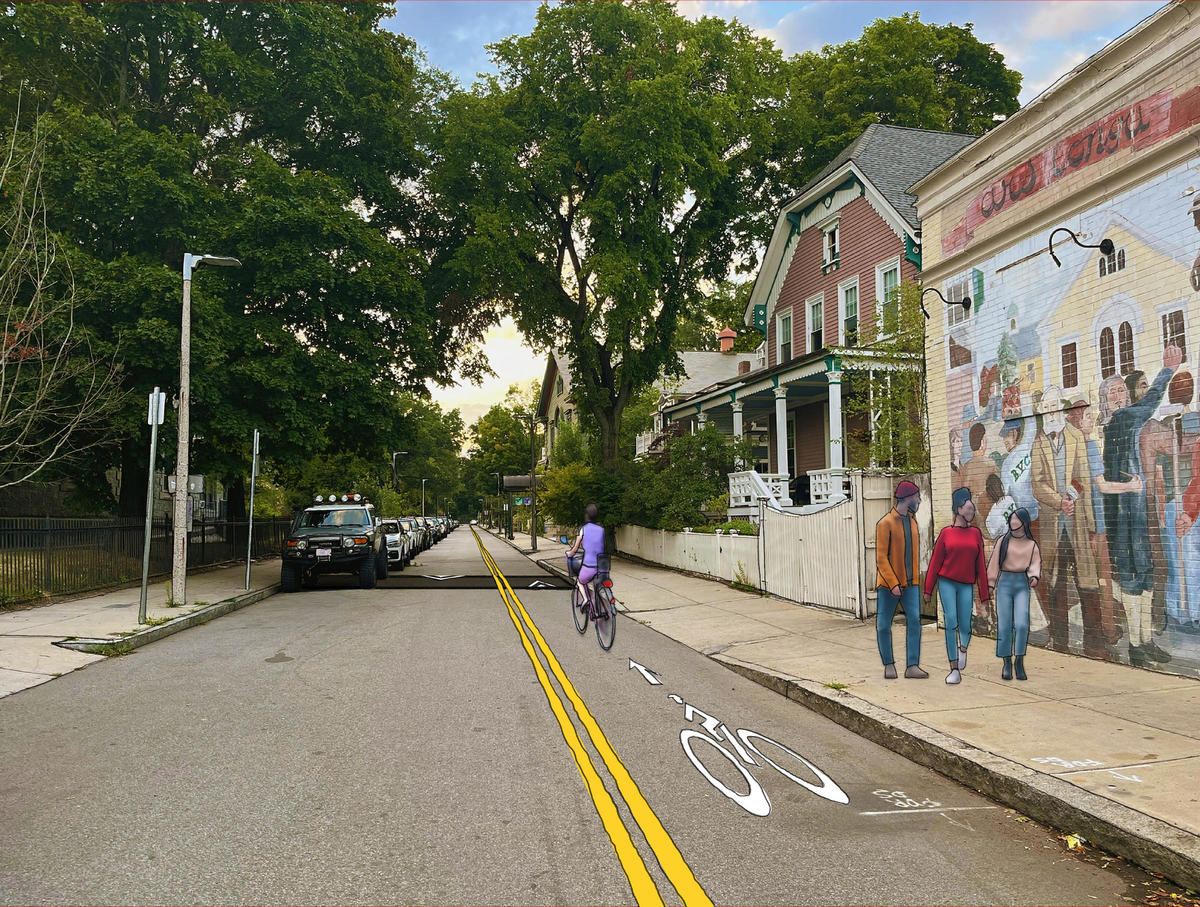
{"x":135,"y":459}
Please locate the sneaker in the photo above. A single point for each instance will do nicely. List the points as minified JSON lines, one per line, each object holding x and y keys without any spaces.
{"x":889,"y":672}
{"x":954,"y":676}
{"x":915,"y":671}
{"x":962,"y":658}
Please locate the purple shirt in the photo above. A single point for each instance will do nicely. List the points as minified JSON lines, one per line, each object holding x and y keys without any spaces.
{"x":593,"y":543}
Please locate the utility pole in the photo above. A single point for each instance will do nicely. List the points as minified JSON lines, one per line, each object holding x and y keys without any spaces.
{"x":250,"y":526}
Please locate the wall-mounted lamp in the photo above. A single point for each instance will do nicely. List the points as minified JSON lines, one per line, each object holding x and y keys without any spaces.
{"x":1105,"y":245}
{"x":965,"y":302}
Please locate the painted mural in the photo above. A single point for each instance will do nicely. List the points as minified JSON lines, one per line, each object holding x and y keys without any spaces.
{"x":1072,"y":396}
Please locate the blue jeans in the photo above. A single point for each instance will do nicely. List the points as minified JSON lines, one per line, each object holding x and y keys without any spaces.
{"x":958,"y":599}
{"x":1012,"y":614}
{"x":910,"y":600}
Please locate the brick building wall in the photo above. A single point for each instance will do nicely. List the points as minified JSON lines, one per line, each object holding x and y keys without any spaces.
{"x":1111,"y":153}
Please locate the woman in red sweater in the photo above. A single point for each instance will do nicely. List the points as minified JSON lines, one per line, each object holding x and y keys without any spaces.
{"x":957,"y":565}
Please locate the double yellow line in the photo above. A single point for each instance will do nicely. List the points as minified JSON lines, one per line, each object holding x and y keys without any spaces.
{"x":669,"y":858}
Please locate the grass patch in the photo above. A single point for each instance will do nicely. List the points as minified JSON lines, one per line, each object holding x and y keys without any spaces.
{"x":157,"y":621}
{"x":835,"y":686}
{"x":114,"y":649}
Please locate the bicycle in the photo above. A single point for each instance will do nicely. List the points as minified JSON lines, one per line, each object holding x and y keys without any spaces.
{"x":603,"y":610}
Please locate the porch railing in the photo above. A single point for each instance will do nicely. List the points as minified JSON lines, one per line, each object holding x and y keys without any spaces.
{"x":829,"y":485}
{"x":745,"y":488}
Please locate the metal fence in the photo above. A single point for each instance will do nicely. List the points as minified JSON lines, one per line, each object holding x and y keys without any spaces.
{"x":51,"y":556}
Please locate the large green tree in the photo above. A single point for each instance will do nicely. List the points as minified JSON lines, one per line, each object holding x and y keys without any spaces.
{"x":622,"y":160}
{"x":292,"y":136}
{"x":900,"y":72}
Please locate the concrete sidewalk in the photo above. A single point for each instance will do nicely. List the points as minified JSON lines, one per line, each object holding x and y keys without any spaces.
{"x":28,"y":651}
{"x":1105,"y":751}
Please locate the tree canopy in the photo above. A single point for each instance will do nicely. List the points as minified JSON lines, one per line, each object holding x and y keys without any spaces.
{"x":618,"y":163}
{"x":291,"y":136}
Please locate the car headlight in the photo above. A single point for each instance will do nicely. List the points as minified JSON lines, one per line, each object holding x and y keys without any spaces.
{"x":301,"y":544}
{"x":348,"y":542}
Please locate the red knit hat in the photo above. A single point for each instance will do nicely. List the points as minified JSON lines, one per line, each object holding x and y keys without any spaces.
{"x":906,"y":490}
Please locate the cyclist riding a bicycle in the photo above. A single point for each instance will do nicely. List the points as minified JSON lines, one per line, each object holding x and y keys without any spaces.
{"x":591,"y":539}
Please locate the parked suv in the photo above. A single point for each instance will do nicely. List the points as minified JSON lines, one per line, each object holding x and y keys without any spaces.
{"x":334,"y":535}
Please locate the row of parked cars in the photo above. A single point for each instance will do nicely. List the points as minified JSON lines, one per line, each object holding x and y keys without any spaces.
{"x":343,"y":534}
{"x":406,"y":537}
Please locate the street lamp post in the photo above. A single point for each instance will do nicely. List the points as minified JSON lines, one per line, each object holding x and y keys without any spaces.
{"x":496,"y":516}
{"x":179,"y":530}
{"x":395,"y":478}
{"x":423,"y":481}
{"x":532,"y":482}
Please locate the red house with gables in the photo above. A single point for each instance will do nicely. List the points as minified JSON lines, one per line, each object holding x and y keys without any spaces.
{"x":839,"y":249}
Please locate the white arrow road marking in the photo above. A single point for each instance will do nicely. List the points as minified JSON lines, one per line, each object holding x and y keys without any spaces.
{"x":440,"y":576}
{"x":650,"y":676}
{"x":956,"y":822}
{"x":538,"y":584}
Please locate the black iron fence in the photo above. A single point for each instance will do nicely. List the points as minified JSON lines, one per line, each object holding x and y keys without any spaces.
{"x":54,"y":556}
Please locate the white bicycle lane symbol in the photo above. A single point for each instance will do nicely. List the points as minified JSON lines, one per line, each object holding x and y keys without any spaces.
{"x":755,"y":801}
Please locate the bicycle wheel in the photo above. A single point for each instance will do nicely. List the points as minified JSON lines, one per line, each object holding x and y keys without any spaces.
{"x":606,"y":618}
{"x":828,"y":788}
{"x":755,"y":801}
{"x":579,"y":609}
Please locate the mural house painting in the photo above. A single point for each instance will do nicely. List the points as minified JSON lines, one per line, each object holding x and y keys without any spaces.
{"x":1068,"y":387}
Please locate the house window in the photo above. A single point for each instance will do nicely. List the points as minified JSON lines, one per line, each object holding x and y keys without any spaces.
{"x":1108,"y":354}
{"x":1070,"y":365}
{"x":831,"y":244}
{"x":1111,"y":264}
{"x":783,"y":336}
{"x":558,"y":386}
{"x":848,"y":306}
{"x":1174,"y":331}
{"x":887,"y":286}
{"x":956,"y":292}
{"x":816,"y":323}
{"x":1125,"y":347}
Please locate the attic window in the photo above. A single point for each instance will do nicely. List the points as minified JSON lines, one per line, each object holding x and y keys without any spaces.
{"x":830,"y":241}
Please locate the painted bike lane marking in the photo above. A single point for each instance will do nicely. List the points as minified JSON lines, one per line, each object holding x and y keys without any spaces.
{"x":667,"y":853}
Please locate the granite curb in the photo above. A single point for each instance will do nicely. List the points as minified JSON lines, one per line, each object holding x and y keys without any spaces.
{"x":125,"y":644}
{"x":1151,"y":843}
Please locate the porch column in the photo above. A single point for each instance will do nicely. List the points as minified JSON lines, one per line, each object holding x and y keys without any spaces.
{"x":702,"y":420}
{"x":737,"y":430}
{"x":836,"y":458}
{"x":781,"y":448}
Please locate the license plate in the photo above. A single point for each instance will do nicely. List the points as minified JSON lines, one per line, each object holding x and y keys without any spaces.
{"x":324,"y":552}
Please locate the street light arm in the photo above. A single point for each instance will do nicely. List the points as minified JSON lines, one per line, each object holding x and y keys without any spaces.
{"x":1105,"y":245}
{"x":965,"y":302}
{"x":191,"y":262}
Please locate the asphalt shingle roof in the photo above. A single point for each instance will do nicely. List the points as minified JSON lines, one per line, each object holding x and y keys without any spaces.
{"x":893,"y":158}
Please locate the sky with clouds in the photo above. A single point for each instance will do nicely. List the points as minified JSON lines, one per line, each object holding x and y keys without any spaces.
{"x":1041,"y":39}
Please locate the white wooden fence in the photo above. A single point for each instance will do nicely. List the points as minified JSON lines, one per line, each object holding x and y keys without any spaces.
{"x":826,"y":557}
{"x":727,"y":557}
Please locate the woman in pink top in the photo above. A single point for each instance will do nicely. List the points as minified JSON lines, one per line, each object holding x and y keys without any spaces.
{"x":957,"y":565}
{"x":1014,"y":568}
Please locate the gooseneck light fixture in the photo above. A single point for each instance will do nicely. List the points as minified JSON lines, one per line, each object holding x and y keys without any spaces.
{"x":965,"y":302}
{"x":1105,"y":245}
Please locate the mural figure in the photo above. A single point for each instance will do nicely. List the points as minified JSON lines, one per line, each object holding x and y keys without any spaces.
{"x":1062,"y":484}
{"x":974,"y":473}
{"x":1112,"y":616}
{"x":1017,"y":435}
{"x":1188,"y":533}
{"x":1125,"y":514}
{"x":1014,"y":569}
{"x":1001,"y":507}
{"x":898,"y":578}
{"x":1158,"y":451}
{"x":957,"y":565}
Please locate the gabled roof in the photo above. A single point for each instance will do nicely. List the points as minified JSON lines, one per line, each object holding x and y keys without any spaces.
{"x":893,"y":158}
{"x":557,"y":364}
{"x":890,"y":159}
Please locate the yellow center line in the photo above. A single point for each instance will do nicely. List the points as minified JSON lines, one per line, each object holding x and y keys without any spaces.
{"x":644,"y":890}
{"x":669,"y":857}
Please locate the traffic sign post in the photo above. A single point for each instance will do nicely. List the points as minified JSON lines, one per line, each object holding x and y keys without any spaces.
{"x":155,"y":411}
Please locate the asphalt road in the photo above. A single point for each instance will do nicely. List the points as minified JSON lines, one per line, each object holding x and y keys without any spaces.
{"x":398,"y":746}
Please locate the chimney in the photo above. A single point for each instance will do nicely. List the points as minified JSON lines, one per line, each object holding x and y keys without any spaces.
{"x":744,"y":367}
{"x":727,"y":337}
